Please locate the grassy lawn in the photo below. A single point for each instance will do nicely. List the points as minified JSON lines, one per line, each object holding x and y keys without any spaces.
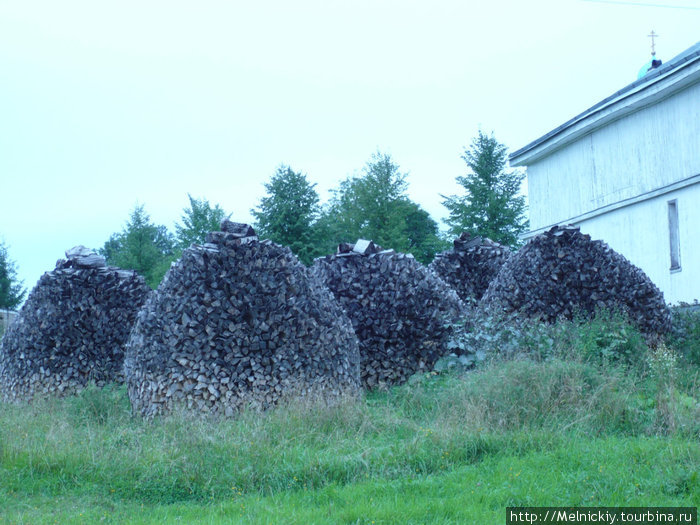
{"x":622,"y":471}
{"x":450,"y":448}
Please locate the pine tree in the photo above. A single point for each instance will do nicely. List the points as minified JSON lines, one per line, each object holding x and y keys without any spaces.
{"x":288,"y":213}
{"x":141,"y":246}
{"x":491,"y":206}
{"x":11,"y":291}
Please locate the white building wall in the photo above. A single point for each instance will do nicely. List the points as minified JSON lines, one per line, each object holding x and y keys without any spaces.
{"x":640,"y":232}
{"x":643,"y":151}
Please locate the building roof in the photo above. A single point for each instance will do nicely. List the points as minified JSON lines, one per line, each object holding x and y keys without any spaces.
{"x":679,"y":72}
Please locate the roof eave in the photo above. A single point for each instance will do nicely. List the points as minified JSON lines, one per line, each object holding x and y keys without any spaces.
{"x":632,"y":98}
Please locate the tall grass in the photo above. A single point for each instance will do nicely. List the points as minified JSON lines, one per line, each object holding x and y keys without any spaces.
{"x":93,"y":442}
{"x":551,"y":396}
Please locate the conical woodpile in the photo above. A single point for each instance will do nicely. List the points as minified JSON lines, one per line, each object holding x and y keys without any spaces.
{"x":401,"y":311}
{"x":72,"y":329}
{"x":563,"y":273}
{"x":238,"y":322}
{"x":470,"y":266}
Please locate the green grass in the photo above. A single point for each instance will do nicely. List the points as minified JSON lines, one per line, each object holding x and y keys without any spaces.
{"x":604,"y":471}
{"x":443,"y":449}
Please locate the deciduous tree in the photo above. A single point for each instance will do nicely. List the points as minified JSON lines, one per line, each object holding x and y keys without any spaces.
{"x":375,"y":206}
{"x":197,"y":220}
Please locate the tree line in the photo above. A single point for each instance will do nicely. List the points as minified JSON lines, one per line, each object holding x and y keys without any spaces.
{"x":373,"y":205}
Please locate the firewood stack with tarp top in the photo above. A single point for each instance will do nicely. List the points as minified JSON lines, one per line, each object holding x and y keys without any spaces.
{"x":72,"y":329}
{"x":238,"y":322}
{"x":402,"y":312}
{"x":562,"y":273}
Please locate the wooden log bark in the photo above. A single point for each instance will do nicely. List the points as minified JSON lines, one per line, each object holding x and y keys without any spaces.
{"x":401,"y":312}
{"x":470,"y":266}
{"x":72,"y":329}
{"x":238,"y":322}
{"x":562,"y":272}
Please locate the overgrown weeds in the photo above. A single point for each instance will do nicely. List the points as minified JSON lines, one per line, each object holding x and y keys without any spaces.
{"x":542,"y":386}
{"x":606,"y":337}
{"x":438,"y":423}
{"x":596,"y":369}
{"x":685,"y":333}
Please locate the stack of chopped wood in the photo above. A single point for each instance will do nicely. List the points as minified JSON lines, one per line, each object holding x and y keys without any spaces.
{"x":238,"y":322}
{"x":400,"y":310}
{"x":72,"y":328}
{"x":470,"y":266}
{"x":563,"y":273}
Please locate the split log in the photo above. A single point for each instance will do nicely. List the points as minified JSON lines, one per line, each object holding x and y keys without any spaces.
{"x":238,"y":322}
{"x":72,"y":329}
{"x":470,"y":266}
{"x":562,"y":272}
{"x":401,"y":312}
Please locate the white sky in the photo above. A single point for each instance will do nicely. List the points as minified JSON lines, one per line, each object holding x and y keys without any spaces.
{"x":104,"y":104}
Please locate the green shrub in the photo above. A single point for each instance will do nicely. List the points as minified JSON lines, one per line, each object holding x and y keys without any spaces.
{"x":495,"y":335}
{"x":605,"y":337}
{"x":609,"y":337}
{"x":685,"y":333}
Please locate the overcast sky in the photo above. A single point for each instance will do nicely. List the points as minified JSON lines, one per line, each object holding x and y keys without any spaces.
{"x":105,"y":104}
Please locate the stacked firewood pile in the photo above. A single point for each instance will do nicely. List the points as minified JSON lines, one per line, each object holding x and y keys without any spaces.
{"x":563,"y":272}
{"x":470,"y":266}
{"x":400,"y":310}
{"x":72,"y":328}
{"x":238,"y":322}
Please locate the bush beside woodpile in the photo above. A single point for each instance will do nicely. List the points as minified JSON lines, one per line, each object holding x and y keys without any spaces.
{"x":471,"y":265}
{"x":563,"y":273}
{"x":72,"y":328}
{"x":400,"y":310}
{"x":238,"y":322}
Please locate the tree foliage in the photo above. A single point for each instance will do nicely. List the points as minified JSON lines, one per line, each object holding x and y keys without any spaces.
{"x":141,"y":246}
{"x":423,"y":234}
{"x":11,"y":291}
{"x":490,"y":206}
{"x":197,"y":220}
{"x":288,"y":213}
{"x":375,"y":206}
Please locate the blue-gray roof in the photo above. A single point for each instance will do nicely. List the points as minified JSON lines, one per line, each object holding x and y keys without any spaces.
{"x":690,"y":54}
